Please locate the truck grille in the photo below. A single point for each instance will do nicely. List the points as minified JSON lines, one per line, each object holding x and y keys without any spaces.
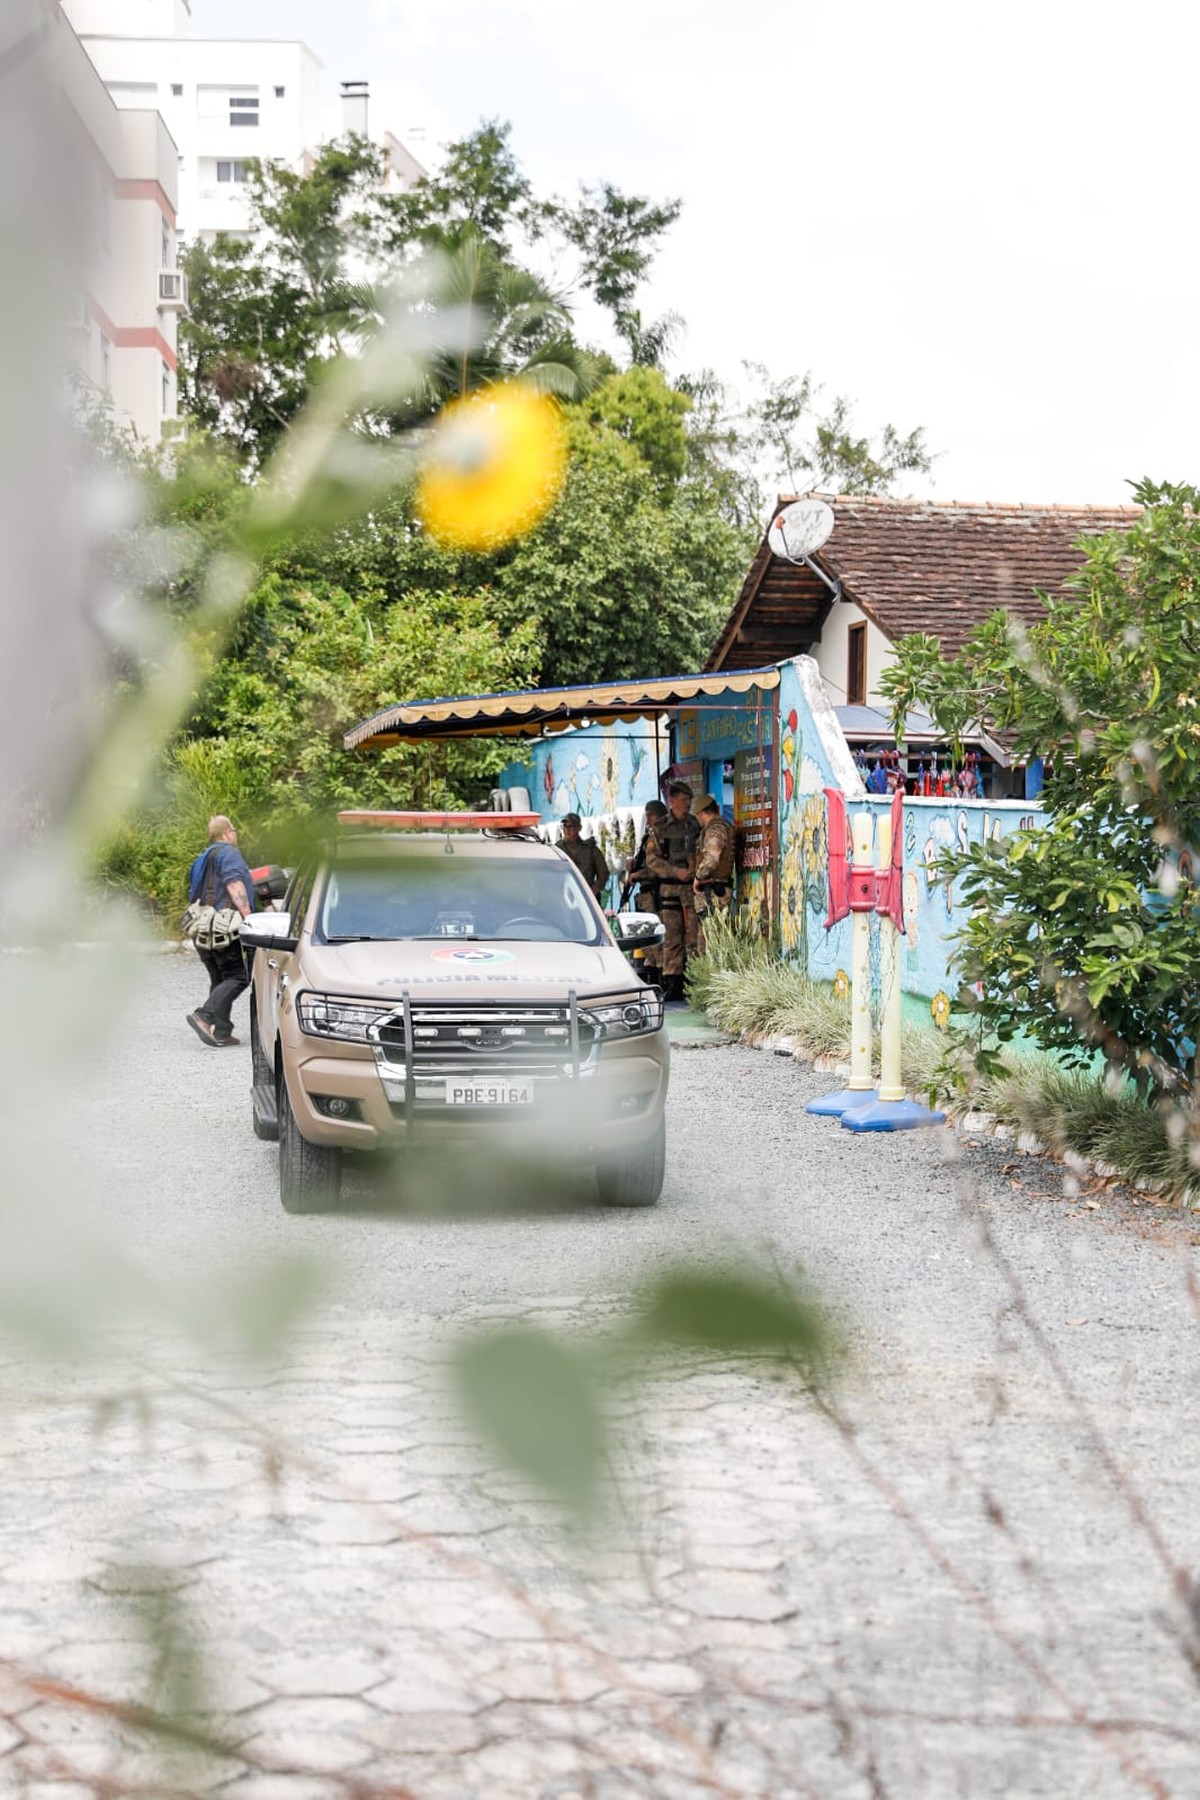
{"x":531,"y":1040}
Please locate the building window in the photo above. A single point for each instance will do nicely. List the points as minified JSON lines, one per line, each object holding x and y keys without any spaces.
{"x":105,"y":364}
{"x":166,"y":391}
{"x":280,"y":92}
{"x":177,"y":89}
{"x":243,"y":109}
{"x":231,"y":171}
{"x":856,"y":666}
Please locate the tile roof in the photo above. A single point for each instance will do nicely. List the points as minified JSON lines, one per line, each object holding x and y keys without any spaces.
{"x":912,"y":565}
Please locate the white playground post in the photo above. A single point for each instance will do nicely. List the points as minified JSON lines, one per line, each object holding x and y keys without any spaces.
{"x":891,"y":1084}
{"x":860,"y":965}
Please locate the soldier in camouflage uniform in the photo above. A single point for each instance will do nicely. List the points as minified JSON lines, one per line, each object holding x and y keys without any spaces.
{"x":646,"y":900}
{"x":713,"y":884}
{"x":671,"y":855}
{"x":585,"y":853}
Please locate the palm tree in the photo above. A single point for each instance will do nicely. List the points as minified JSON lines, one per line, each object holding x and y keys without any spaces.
{"x":503,"y":323}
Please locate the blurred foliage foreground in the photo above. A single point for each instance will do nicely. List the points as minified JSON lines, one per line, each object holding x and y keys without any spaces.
{"x":65,"y":1278}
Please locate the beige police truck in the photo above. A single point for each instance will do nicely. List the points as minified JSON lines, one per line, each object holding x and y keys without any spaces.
{"x":447,"y":978}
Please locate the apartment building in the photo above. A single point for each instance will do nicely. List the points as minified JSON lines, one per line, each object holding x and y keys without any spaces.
{"x":124,"y":331}
{"x":225,"y":101}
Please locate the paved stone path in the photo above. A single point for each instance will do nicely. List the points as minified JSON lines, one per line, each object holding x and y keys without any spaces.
{"x":941,"y":1589}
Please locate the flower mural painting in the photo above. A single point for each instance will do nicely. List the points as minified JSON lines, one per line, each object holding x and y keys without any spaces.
{"x":805,"y":871}
{"x":791,"y":752}
{"x":576,"y":783}
{"x":610,"y":772}
{"x":941,"y":838}
{"x":792,"y":925}
{"x":912,"y":906}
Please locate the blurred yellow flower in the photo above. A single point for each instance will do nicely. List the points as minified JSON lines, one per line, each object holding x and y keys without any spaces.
{"x":493,"y":468}
{"x":841,"y":985}
{"x":939,"y":1006}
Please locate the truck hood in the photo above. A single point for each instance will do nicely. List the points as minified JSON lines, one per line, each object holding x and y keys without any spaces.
{"x":454,"y":970}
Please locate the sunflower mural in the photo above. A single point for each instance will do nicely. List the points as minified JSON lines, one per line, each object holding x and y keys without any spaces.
{"x":610,"y":772}
{"x":805,"y":871}
{"x":792,"y":926}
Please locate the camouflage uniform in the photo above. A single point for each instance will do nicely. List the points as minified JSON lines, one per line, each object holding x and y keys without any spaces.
{"x":671,"y":847}
{"x":645,"y":900}
{"x":589,"y":859}
{"x":714,"y":868}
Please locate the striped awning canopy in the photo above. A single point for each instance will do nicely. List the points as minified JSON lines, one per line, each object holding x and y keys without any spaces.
{"x":541,"y":710}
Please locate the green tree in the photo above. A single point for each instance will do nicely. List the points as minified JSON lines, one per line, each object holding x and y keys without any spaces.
{"x":800,"y":447}
{"x":622,"y":579}
{"x":640,"y":406}
{"x":266,"y":315}
{"x":1083,"y":931}
{"x":507,"y":323}
{"x":618,"y":237}
{"x":315,"y":658}
{"x":480,"y":191}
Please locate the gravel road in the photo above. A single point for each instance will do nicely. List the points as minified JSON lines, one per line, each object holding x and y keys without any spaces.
{"x":965,"y":1580}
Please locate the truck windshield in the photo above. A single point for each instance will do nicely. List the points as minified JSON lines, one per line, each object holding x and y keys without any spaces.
{"x":535,"y":900}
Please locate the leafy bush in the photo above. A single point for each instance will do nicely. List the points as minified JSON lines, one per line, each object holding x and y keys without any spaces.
{"x":152,"y":850}
{"x":1082,"y":931}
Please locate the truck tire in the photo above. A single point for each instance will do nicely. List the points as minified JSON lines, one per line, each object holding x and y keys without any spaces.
{"x":634,"y":1177}
{"x":263,"y":1104}
{"x":310,"y":1175}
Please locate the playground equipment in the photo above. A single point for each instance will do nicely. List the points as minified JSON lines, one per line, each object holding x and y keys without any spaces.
{"x":872,"y":884}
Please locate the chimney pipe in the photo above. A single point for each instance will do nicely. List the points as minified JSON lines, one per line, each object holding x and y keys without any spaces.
{"x":355,"y":98}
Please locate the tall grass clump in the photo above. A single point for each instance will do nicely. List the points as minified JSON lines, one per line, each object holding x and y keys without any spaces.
{"x":746,"y":988}
{"x":1090,"y":1114}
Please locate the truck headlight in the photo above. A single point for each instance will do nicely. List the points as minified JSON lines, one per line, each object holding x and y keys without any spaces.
{"x":324,"y":1015}
{"x":633,"y":1016}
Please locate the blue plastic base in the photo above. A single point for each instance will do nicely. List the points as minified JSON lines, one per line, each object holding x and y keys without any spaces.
{"x":832,"y":1106}
{"x":891,"y":1115}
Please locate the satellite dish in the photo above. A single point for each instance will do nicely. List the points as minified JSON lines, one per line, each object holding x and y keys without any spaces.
{"x":800,"y":529}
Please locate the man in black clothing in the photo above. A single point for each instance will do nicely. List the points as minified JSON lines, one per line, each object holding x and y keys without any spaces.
{"x":220,"y":877}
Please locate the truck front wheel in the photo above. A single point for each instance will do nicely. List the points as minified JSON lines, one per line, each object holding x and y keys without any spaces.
{"x":634,"y":1177}
{"x":310,"y":1175}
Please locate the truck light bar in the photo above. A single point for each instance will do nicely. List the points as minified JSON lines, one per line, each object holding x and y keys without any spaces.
{"x":442,"y":821}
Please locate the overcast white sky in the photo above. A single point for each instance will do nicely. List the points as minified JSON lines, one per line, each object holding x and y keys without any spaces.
{"x":980,"y":219}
